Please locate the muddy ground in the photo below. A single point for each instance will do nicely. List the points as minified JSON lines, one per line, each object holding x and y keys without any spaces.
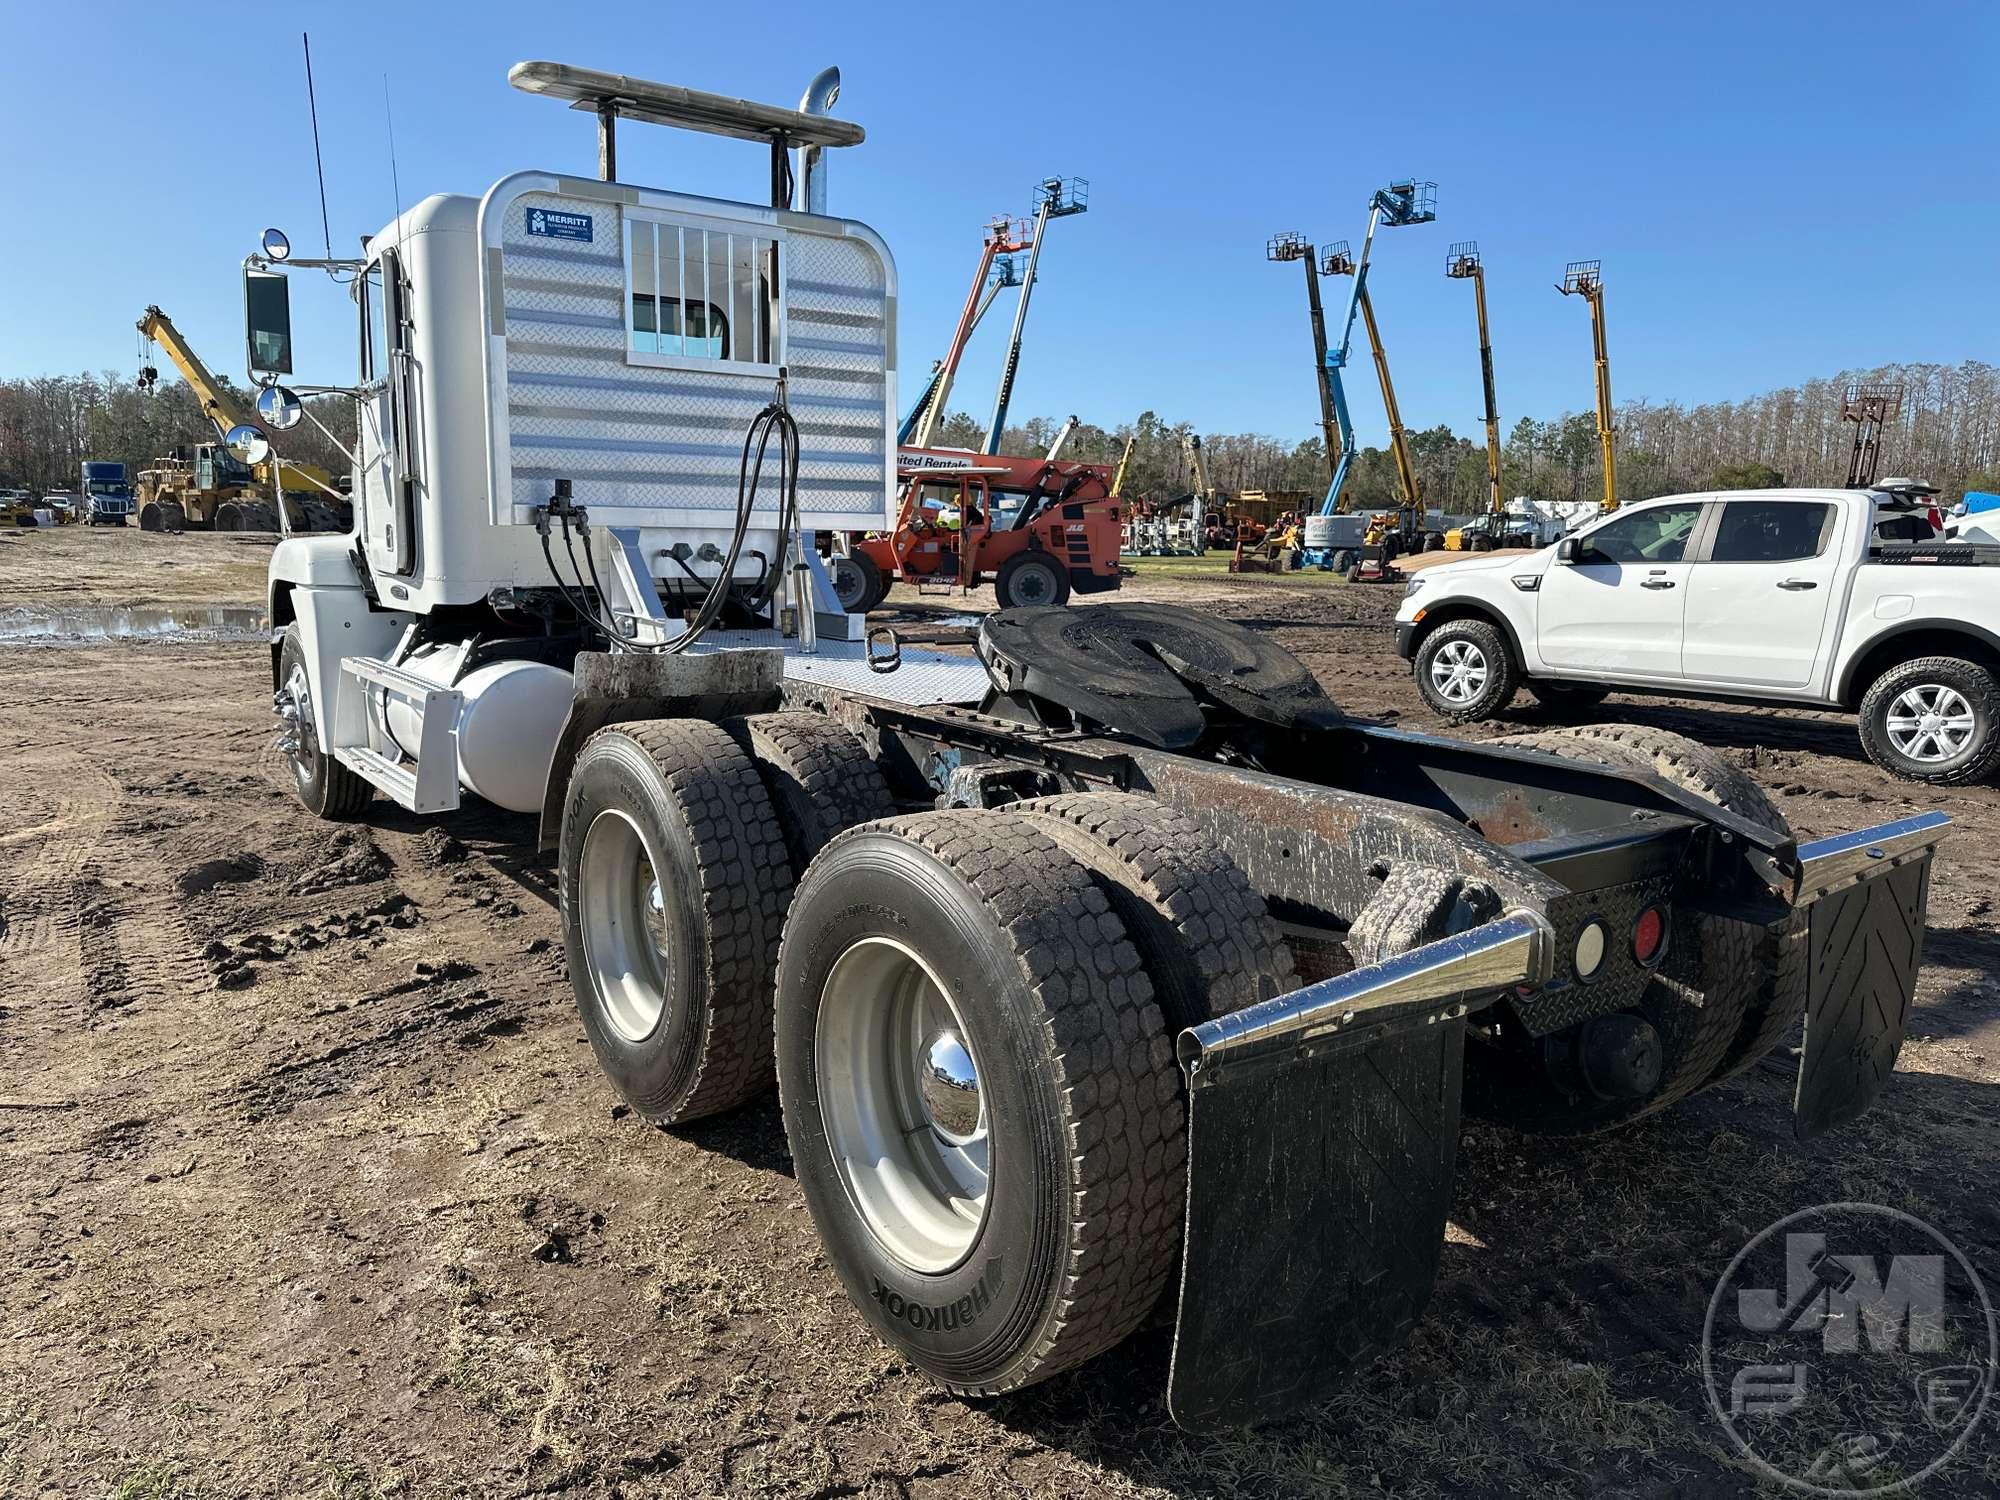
{"x":312,"y":1187}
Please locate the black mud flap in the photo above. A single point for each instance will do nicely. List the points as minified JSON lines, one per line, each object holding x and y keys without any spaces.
{"x":1866,"y":942}
{"x":1322,"y":1134}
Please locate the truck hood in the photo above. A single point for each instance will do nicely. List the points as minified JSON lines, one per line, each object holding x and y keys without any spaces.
{"x":1512,"y":562}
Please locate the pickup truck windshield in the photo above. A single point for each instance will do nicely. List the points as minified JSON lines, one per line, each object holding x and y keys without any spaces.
{"x":1656,"y":535}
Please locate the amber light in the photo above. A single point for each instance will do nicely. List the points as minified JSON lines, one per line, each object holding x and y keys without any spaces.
{"x":1649,"y":935}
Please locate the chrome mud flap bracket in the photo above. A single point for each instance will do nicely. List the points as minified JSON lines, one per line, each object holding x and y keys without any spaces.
{"x":1322,"y":1134}
{"x":1865,"y":895}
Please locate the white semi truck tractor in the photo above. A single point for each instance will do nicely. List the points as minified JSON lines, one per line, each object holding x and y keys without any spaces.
{"x":1111,"y":948}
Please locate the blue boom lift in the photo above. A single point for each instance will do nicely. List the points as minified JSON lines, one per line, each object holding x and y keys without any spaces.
{"x":1400,"y":203}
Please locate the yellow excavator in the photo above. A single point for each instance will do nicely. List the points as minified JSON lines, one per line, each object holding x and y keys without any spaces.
{"x":205,"y":487}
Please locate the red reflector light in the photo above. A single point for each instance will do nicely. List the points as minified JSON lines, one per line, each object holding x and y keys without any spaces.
{"x":1649,"y":935}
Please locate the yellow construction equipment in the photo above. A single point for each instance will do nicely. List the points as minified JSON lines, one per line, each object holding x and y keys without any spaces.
{"x":207,"y":487}
{"x":1462,"y":263}
{"x":1124,"y":463}
{"x":1408,"y":523}
{"x":1581,"y":279}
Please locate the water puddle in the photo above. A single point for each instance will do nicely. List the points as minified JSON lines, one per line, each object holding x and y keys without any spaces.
{"x":89,"y":624}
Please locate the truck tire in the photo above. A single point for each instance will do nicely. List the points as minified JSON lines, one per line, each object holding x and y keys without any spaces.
{"x":1208,"y":942}
{"x":857,"y":582}
{"x":957,"y":996}
{"x":820,"y":777}
{"x":1566,"y":697}
{"x":327,"y":788}
{"x":1343,"y":561}
{"x":674,"y":880}
{"x":1417,"y":904}
{"x":1933,"y":720}
{"x":1030,"y":578}
{"x":1741,"y":989}
{"x":1466,"y":671}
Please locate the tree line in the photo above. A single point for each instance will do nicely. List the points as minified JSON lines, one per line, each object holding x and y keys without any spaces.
{"x":51,"y":423}
{"x":1947,"y":433}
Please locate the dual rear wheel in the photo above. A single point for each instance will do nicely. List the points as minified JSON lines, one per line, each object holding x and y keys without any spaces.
{"x":969,"y":1016}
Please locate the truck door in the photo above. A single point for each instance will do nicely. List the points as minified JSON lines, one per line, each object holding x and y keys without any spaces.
{"x":1757,"y":593}
{"x":1615,"y":611}
{"x":385,"y":489}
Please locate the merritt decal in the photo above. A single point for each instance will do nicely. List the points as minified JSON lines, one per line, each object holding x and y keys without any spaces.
{"x":927,"y":1318}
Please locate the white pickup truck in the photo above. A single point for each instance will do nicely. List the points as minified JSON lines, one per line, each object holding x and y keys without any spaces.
{"x":1829,"y":599}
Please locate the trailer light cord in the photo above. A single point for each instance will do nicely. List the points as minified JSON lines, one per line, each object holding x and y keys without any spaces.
{"x":773,"y":420}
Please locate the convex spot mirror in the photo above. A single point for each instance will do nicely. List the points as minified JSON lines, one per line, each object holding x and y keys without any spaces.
{"x":278,"y":408}
{"x":246,"y":444}
{"x":276,"y":246}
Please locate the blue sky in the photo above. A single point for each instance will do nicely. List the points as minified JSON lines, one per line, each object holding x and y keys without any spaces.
{"x":1776,"y":190}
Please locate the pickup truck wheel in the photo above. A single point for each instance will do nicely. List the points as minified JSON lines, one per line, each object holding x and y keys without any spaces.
{"x":980,"y":1096}
{"x":1725,"y":999}
{"x":1466,"y":671}
{"x":674,"y":879}
{"x":1933,"y":720}
{"x":327,"y":788}
{"x":821,"y":778}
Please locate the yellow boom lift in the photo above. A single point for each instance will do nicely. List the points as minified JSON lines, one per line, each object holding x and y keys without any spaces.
{"x":207,"y":488}
{"x":1581,"y":279}
{"x":1462,"y":263}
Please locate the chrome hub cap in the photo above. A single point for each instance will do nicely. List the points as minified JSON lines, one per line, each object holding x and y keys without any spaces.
{"x":948,"y":1088}
{"x":1458,"y":671}
{"x":1930,"y":723}
{"x":621,"y":908}
{"x":899,"y":1092}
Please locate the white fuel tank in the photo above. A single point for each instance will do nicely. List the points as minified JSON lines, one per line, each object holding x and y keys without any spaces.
{"x":511,"y":717}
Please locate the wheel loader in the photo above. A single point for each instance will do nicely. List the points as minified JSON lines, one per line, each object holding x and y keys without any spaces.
{"x":1110,"y":969}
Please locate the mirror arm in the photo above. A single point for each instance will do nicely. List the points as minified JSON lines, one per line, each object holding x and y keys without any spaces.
{"x":310,"y":263}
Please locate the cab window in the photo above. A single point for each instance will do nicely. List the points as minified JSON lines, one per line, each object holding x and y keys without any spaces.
{"x":1657,"y":535}
{"x":374,"y":326}
{"x":1770,"y":531}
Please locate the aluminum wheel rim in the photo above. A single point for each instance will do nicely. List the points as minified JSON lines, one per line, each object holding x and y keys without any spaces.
{"x":621,"y":908}
{"x":1458,"y":671}
{"x":305,"y":738}
{"x":921,"y":1190}
{"x":1930,"y":723}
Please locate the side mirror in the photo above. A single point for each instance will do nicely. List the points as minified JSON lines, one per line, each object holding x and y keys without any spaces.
{"x":246,"y":444}
{"x":1569,"y":549}
{"x":278,"y":408}
{"x":267,"y":319}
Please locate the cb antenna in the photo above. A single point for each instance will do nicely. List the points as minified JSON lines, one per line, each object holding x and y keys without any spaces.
{"x":395,"y":183}
{"x":319,"y":165}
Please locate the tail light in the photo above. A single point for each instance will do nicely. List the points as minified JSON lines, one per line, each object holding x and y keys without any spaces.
{"x":1649,"y":936}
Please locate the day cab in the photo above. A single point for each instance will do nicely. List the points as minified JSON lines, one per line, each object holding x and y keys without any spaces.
{"x":1825,"y":599}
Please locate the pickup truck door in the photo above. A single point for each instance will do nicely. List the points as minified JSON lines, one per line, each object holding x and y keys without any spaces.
{"x":1615,"y":611}
{"x":1758,"y":592}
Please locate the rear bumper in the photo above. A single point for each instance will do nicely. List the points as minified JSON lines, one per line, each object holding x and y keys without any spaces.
{"x":1323,"y":1124}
